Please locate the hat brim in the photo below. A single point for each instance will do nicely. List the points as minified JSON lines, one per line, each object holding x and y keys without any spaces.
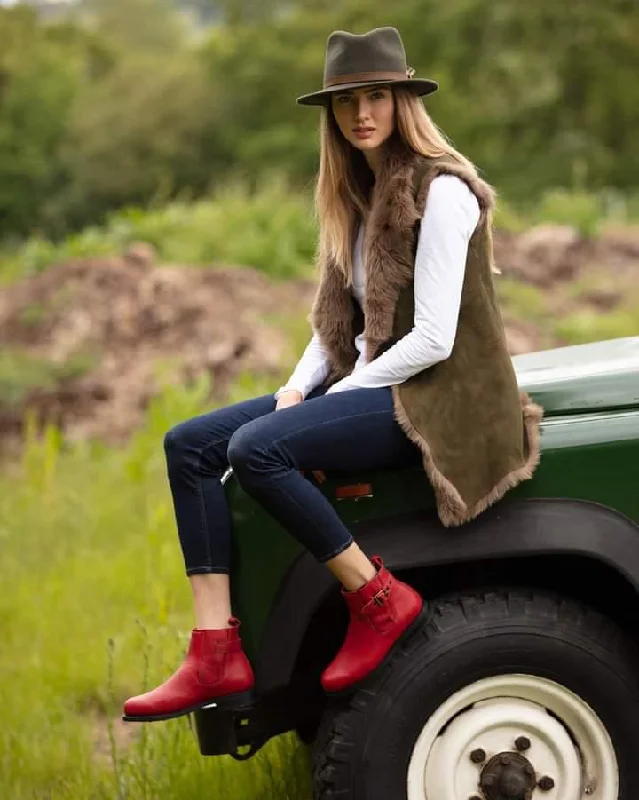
{"x":419,"y":86}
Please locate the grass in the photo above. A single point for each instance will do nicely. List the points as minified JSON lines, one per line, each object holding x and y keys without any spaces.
{"x":527,"y":303}
{"x":590,"y":324}
{"x":522,"y":300}
{"x":588,"y":211}
{"x":94,"y":607}
{"x":586,"y":325}
{"x":21,"y":372}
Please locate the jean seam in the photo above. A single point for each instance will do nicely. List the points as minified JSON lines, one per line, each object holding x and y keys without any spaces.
{"x":200,"y":492}
{"x":203,"y":510}
{"x":293,"y":501}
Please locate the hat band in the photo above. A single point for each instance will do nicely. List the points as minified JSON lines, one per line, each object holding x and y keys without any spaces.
{"x":357,"y":77}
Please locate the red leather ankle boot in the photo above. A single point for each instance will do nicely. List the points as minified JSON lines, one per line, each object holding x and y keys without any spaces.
{"x":382,"y":613}
{"x":215,"y":670}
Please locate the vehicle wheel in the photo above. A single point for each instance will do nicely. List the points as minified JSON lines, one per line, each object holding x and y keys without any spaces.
{"x":507,"y":695}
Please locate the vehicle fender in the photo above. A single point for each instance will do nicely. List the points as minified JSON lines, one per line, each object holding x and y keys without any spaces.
{"x":510,"y":529}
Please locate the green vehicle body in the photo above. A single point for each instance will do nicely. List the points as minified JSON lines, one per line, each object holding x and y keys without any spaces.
{"x":575,"y":523}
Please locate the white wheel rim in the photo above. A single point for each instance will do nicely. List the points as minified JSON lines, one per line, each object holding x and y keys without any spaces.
{"x":568,"y":742}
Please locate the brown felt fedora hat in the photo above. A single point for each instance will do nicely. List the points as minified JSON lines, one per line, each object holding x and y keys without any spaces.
{"x":354,"y":60}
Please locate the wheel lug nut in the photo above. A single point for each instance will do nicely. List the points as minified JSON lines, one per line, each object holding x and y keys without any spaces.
{"x":546,"y":784}
{"x":529,"y":769}
{"x":475,"y":797}
{"x":505,"y":759}
{"x":478,"y":756}
{"x":522,"y":743}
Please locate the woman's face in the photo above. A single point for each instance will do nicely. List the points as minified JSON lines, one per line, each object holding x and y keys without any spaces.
{"x":372,"y":108}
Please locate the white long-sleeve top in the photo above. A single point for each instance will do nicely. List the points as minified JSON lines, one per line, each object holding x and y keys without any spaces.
{"x":450,"y":217}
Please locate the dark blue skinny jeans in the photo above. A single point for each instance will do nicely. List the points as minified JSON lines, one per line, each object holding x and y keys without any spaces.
{"x":350,"y":430}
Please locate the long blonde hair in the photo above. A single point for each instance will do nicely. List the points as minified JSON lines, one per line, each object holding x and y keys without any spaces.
{"x":344,"y":179}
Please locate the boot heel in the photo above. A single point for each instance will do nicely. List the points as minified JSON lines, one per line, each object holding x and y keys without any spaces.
{"x":232,"y":702}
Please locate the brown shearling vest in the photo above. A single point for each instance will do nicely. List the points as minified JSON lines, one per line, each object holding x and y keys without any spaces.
{"x":478,"y":434}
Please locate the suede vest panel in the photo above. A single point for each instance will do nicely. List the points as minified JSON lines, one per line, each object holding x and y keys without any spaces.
{"x":478,"y":434}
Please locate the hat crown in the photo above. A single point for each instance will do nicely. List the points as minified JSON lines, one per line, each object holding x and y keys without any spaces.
{"x":379,"y":50}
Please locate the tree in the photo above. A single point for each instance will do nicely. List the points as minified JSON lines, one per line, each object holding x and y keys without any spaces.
{"x":38,"y":85}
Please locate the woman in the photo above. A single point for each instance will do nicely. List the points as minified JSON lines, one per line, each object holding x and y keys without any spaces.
{"x":407,"y":362}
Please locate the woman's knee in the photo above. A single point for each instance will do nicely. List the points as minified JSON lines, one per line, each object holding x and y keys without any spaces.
{"x":243,"y":445}
{"x":186,"y":442}
{"x":238,"y":449}
{"x":177,"y":443}
{"x":199,"y":442}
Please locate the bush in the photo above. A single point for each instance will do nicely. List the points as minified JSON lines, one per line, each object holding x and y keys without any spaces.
{"x":270,"y":228}
{"x":583,"y":210}
{"x":21,"y":372}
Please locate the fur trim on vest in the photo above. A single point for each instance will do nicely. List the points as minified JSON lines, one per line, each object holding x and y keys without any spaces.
{"x":478,"y":434}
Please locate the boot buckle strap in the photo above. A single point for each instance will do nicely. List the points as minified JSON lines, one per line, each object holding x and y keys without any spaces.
{"x":378,"y":599}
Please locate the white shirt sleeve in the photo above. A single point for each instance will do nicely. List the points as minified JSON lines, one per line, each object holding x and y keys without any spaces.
{"x":450,"y":217}
{"x":311,"y":369}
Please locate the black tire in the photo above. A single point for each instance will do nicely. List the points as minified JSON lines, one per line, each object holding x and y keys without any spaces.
{"x":365,"y":742}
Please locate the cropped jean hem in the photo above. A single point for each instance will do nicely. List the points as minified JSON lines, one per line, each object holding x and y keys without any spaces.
{"x":340,"y":549}
{"x":207,"y":571}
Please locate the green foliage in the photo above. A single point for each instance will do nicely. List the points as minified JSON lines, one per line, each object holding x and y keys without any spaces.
{"x":122,"y":105}
{"x":140,"y":134}
{"x":581,"y":209}
{"x":296,"y":328}
{"x":37,"y":253}
{"x":33,"y":314}
{"x":37,"y":84}
{"x":522,"y":300}
{"x":587,"y":325}
{"x":22,"y":372}
{"x":507,"y":218}
{"x":95,"y":602}
{"x":271,"y":229}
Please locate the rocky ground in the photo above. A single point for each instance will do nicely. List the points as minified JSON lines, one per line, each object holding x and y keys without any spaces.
{"x":106,"y":331}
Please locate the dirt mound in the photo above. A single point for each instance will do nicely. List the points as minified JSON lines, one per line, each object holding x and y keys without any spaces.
{"x":548,"y":254}
{"x":123,"y":318}
{"x":107,"y":328}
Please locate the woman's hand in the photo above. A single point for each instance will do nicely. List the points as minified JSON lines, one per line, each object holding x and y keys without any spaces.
{"x":291,"y":397}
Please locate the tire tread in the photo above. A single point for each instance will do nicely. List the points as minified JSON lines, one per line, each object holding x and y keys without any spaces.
{"x":345,"y":718}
